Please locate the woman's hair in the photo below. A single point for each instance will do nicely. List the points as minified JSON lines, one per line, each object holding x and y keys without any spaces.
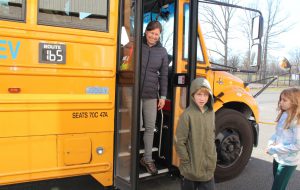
{"x":154,"y":25}
{"x":293,"y":94}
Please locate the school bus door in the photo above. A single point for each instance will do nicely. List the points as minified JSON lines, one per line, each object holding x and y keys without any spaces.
{"x":127,"y":96}
{"x":127,"y":99}
{"x":187,"y":53}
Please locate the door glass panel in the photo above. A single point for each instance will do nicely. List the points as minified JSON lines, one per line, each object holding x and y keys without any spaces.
{"x":227,"y":37}
{"x":124,"y":132}
{"x":125,"y":93}
{"x":186,"y":36}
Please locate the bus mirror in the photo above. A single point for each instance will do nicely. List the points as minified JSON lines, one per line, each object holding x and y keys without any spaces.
{"x":257,"y":27}
{"x":284,"y":64}
{"x":255,"y":56}
{"x":124,"y":36}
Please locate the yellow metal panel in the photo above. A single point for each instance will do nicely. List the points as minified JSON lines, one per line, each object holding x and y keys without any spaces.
{"x":36,"y":158}
{"x":25,"y":114}
{"x":76,"y":149}
{"x":54,"y":101}
{"x":234,"y":91}
{"x":102,"y":140}
{"x":25,"y":154}
{"x":180,"y":104}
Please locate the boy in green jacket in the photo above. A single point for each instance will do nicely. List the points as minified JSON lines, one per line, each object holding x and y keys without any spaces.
{"x":195,"y":139}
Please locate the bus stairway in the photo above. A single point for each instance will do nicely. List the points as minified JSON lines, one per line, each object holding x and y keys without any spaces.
{"x":158,"y":150}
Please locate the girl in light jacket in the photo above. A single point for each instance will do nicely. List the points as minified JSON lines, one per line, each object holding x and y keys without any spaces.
{"x":284,"y":145}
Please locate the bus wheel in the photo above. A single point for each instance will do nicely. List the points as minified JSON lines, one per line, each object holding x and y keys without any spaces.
{"x":234,"y":143}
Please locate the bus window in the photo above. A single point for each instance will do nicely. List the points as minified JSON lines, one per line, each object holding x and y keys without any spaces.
{"x":82,"y":14}
{"x":186,"y":37}
{"x":12,"y":10}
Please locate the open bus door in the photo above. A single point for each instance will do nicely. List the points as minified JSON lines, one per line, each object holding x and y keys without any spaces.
{"x":129,"y":142}
{"x":127,"y":96}
{"x":187,"y":50}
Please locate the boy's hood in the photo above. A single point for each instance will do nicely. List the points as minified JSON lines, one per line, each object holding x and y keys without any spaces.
{"x":196,"y":85}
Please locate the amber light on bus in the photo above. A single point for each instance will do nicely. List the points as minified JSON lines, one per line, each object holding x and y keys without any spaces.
{"x":14,"y":90}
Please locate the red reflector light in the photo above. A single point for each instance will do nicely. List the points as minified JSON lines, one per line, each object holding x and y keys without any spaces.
{"x":14,"y":90}
{"x":167,"y":106}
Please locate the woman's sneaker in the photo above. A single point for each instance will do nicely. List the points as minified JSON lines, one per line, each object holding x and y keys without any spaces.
{"x":150,"y":166}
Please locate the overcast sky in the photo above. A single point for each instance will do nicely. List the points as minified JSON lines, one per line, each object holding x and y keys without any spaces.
{"x":291,"y":39}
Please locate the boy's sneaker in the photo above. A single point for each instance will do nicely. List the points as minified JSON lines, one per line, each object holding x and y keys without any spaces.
{"x":150,"y":166}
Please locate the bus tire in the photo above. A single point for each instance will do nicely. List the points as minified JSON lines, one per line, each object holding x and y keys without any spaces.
{"x":234,"y":144}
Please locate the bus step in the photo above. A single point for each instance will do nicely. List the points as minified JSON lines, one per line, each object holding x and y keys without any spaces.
{"x":154,"y":149}
{"x":146,"y":174}
{"x":124,"y":131}
{"x":142,"y":151}
{"x":160,"y":171}
{"x":123,"y":110}
{"x":143,"y":129}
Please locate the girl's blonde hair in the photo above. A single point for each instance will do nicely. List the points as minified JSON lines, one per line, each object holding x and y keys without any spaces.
{"x":293,"y":94}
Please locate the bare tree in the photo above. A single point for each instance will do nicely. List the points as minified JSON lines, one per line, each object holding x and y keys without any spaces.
{"x":273,"y":68}
{"x":295,"y":60}
{"x":220,"y":27}
{"x":234,"y":61}
{"x":275,"y":25}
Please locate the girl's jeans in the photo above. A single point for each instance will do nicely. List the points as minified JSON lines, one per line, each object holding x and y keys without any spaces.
{"x":282,"y":175}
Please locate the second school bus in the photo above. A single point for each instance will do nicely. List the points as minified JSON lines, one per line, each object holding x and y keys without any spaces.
{"x":69,"y":93}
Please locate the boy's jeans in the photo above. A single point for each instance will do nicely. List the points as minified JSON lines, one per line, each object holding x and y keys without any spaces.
{"x":197,"y":185}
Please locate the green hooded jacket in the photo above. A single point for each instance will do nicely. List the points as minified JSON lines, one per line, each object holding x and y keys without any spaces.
{"x":195,"y":138}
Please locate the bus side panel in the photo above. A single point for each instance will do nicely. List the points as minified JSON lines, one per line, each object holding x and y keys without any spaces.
{"x":57,"y":120}
{"x":19,"y":155}
{"x":35,"y":158}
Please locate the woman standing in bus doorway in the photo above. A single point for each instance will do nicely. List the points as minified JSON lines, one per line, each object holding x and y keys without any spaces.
{"x":284,"y":145}
{"x":154,"y":75}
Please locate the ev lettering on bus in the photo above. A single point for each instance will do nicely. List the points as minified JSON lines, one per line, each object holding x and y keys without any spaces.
{"x":8,"y":49}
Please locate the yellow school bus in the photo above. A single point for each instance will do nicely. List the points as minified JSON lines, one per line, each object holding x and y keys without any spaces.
{"x":69,"y":94}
